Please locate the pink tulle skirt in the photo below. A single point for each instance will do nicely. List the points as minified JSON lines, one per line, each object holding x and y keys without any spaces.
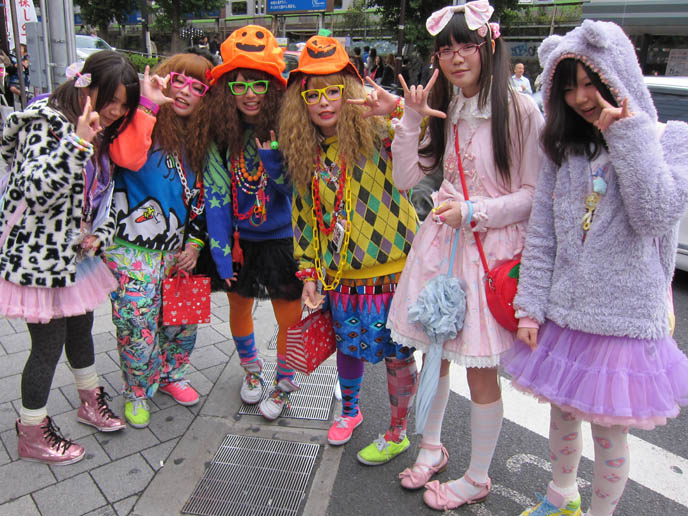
{"x":94,"y":282}
{"x":602,"y":379}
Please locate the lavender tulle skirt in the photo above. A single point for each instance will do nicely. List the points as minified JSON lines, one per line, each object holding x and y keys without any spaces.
{"x":94,"y":282}
{"x":605,"y":380}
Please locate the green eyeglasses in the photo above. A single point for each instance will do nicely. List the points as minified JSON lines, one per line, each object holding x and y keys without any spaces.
{"x":332,"y":92}
{"x":241,"y":88}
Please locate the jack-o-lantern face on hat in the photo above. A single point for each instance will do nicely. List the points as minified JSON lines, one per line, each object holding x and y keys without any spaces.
{"x":251,"y":39}
{"x":253,"y":47}
{"x":319,"y":49}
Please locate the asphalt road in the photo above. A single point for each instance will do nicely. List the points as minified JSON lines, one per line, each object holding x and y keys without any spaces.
{"x":520,"y":468}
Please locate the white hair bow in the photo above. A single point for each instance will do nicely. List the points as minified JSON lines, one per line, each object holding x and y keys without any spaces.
{"x":477,"y":14}
{"x":73,"y":71}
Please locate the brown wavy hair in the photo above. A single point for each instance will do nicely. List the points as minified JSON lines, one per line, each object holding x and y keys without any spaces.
{"x":187,"y":136}
{"x":300,"y":138}
{"x":225,"y":119}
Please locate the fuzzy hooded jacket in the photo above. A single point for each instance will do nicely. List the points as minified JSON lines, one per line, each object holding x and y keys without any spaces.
{"x":41,"y":210}
{"x":616,"y":282}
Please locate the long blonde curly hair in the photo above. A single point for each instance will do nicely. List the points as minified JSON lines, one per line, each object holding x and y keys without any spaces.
{"x":299,"y":137}
{"x":189,"y":136}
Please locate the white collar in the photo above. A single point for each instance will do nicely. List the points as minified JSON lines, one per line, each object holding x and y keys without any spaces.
{"x":467,"y":108}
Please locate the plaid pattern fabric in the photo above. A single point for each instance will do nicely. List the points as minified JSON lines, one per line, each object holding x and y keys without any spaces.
{"x":383,"y":220}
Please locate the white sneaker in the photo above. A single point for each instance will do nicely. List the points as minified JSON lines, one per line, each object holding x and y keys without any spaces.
{"x":272,"y":406}
{"x":252,"y":386}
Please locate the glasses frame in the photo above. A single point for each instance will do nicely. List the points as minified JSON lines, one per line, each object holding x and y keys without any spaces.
{"x":249,"y":85}
{"x":321,"y":92}
{"x":474,"y":47}
{"x":190,"y":82}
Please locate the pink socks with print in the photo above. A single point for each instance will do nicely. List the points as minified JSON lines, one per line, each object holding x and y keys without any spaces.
{"x":611,"y":462}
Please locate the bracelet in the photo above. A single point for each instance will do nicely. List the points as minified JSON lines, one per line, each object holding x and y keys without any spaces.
{"x":308,"y":274}
{"x":148,"y":106}
{"x":79,"y":142}
{"x":470,"y":212}
{"x":398,"y":110}
{"x":194,"y":242}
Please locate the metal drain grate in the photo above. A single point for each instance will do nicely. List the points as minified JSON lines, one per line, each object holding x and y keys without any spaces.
{"x":272,"y":343}
{"x":312,"y":401}
{"x":254,"y":476}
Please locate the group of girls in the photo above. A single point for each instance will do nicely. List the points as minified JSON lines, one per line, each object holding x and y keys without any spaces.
{"x":303,"y":204}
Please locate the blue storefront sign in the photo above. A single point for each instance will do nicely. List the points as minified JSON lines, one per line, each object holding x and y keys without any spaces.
{"x":293,"y":6}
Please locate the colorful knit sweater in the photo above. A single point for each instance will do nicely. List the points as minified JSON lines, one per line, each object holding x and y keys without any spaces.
{"x":383,"y":220}
{"x":222,"y":223}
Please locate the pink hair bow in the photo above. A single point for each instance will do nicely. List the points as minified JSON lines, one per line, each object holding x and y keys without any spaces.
{"x":73,"y":71}
{"x":477,"y":14}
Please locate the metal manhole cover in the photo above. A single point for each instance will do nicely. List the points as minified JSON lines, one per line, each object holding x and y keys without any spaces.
{"x":254,"y":476}
{"x":312,"y":401}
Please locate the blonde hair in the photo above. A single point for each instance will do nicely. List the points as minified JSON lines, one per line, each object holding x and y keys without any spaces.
{"x":299,"y":137}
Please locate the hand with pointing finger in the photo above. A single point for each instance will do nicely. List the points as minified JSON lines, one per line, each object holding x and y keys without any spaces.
{"x":610,"y":113}
{"x":268,"y":144}
{"x":88,"y":124}
{"x":416,"y":97}
{"x":379,"y":101}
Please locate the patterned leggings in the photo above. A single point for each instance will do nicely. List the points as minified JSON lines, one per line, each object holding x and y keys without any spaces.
{"x":149,"y":353}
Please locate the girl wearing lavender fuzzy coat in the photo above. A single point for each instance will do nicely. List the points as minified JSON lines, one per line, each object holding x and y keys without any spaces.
{"x":592,"y":300}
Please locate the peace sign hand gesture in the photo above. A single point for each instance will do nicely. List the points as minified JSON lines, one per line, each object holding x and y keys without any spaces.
{"x":88,"y":124}
{"x":416,"y":97}
{"x":610,"y":114}
{"x":379,"y":101}
{"x":152,"y":87}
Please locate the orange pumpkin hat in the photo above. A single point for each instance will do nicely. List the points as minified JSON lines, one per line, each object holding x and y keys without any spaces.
{"x":323,"y":55}
{"x":252,"y":47}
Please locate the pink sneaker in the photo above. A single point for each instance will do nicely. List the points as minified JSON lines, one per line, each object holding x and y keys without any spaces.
{"x":343,"y":427}
{"x":181,"y":391}
{"x":45,"y":443}
{"x":95,"y":411}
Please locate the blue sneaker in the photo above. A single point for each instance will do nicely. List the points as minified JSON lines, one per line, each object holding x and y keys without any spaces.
{"x":546,"y":508}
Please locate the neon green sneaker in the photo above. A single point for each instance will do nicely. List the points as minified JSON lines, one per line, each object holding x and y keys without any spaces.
{"x":381,"y":451}
{"x":137,"y":412}
{"x":545,"y":508}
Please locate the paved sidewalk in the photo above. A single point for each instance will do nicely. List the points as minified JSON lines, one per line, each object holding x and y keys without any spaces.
{"x":148,"y":471}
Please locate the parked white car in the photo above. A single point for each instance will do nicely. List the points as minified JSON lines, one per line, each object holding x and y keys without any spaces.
{"x":87,"y":45}
{"x":670,"y":95}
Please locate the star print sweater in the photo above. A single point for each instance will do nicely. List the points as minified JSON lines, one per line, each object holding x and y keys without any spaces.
{"x":219,"y":202}
{"x":383,"y":220}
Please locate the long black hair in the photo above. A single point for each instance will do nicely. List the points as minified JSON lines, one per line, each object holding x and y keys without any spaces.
{"x":565,"y":131}
{"x":493,"y":86}
{"x":108,"y":70}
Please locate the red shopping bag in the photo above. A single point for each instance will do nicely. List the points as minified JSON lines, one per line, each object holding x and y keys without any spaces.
{"x":311,"y":342}
{"x":185,"y":299}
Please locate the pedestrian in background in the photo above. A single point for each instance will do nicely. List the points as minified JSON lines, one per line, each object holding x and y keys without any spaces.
{"x":594,"y":337}
{"x":520,"y":82}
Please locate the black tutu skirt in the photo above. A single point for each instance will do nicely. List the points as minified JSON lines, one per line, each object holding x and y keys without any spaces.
{"x":268,"y":272}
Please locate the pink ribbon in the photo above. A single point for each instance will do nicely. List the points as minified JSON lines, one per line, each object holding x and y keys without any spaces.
{"x":73,"y":71}
{"x":477,"y":14}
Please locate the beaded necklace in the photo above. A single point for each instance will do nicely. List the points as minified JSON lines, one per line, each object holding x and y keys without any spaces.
{"x":343,"y":234}
{"x":328,"y":175}
{"x":257,"y":214}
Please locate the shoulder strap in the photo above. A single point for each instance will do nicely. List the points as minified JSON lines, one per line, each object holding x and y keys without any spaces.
{"x":465,"y":196}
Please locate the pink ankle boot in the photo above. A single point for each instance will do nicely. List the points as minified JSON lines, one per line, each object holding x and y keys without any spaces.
{"x":94,"y":410}
{"x":45,"y":443}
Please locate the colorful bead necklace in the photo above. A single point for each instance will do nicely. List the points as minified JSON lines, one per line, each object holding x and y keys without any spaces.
{"x":257,"y":214}
{"x":327,"y":175}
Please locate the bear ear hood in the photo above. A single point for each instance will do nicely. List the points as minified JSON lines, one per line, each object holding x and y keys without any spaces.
{"x":606,"y":50}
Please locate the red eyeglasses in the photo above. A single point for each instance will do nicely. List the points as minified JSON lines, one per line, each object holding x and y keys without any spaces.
{"x":196,"y":87}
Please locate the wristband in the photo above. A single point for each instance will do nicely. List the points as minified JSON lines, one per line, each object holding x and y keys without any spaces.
{"x":147,"y":105}
{"x":79,"y":142}
{"x":306,"y":274}
{"x":470,"y":212}
{"x":398,"y":110}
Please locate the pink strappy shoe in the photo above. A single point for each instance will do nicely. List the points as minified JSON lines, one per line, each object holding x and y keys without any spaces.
{"x":418,"y":475}
{"x":441,"y":497}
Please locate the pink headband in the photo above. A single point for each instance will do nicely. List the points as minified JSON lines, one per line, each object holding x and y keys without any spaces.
{"x":477,"y":14}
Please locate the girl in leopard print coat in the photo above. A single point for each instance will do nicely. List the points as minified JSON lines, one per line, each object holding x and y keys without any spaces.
{"x":54,"y":216}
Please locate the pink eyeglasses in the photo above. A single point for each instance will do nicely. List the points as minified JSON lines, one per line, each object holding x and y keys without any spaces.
{"x":196,"y":87}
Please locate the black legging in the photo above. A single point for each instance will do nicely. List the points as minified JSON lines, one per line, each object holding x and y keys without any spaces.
{"x":47,"y":340}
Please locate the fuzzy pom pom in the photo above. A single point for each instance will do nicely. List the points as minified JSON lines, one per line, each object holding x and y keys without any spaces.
{"x":547,"y":47}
